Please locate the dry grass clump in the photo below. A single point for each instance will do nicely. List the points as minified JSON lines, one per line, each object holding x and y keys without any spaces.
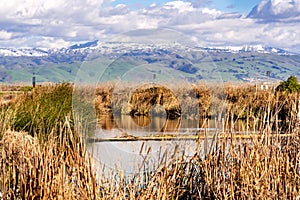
{"x":204,"y":98}
{"x":18,"y":152}
{"x":142,"y":99}
{"x":278,"y":111}
{"x":139,"y":101}
{"x":56,"y":169}
{"x":7,"y":99}
{"x":103,"y":98}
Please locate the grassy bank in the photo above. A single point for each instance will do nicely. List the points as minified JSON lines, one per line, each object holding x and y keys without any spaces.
{"x":42,"y":155}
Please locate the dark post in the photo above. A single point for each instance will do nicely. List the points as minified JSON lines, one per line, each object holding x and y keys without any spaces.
{"x":33,"y":81}
{"x":33,"y":76}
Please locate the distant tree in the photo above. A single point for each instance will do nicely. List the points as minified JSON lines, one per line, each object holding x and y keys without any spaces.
{"x":291,"y":85}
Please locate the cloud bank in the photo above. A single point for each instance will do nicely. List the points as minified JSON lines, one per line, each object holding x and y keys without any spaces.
{"x":276,"y":10}
{"x":61,"y":23}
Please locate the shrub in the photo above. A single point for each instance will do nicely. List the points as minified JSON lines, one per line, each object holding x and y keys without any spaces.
{"x":291,"y":85}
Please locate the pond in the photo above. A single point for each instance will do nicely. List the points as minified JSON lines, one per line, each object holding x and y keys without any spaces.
{"x":134,"y":144}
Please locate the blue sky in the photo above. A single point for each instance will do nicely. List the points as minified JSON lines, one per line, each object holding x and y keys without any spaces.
{"x":62,"y":23}
{"x":243,"y":6}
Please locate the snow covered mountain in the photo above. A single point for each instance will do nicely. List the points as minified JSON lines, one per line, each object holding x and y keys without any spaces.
{"x":233,"y":63}
{"x":249,"y":48}
{"x":116,"y":48}
{"x":23,"y":52}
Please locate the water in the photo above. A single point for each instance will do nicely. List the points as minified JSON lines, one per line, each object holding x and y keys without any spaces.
{"x":137,"y":156}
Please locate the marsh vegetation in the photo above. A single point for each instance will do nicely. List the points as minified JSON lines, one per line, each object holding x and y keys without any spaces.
{"x":44,"y":155}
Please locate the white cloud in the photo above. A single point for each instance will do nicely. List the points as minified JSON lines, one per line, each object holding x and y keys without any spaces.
{"x":280,"y":6}
{"x":49,"y":42}
{"x":200,"y":3}
{"x":270,"y":10}
{"x":63,"y":19}
{"x":180,"y":6}
{"x":4,"y":35}
{"x":59,"y":23}
{"x":212,"y":12}
{"x":84,"y":20}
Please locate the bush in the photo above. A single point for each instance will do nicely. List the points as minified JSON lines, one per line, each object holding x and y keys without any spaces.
{"x":290,"y":86}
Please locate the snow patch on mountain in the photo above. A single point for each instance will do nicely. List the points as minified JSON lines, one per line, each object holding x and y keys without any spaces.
{"x":119,"y":48}
{"x":248,"y":48}
{"x":23,"y":52}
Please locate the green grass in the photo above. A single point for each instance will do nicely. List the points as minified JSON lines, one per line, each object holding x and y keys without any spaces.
{"x":232,"y":67}
{"x":44,"y":110}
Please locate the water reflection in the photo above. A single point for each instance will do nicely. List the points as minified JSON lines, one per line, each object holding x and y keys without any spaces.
{"x":106,"y":122}
{"x":141,"y":123}
{"x":159,"y":124}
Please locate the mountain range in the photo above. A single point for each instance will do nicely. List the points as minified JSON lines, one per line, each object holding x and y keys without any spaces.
{"x":104,"y":61}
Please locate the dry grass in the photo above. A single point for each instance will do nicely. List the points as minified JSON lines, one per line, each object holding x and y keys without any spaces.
{"x":57,"y":165}
{"x":261,"y":168}
{"x":56,"y":169}
{"x":259,"y":108}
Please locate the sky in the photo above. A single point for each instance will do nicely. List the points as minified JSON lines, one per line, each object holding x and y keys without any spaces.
{"x":61,"y":23}
{"x":242,"y":6}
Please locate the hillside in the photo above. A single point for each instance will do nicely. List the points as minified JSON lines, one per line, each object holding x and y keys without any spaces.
{"x":95,"y":61}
